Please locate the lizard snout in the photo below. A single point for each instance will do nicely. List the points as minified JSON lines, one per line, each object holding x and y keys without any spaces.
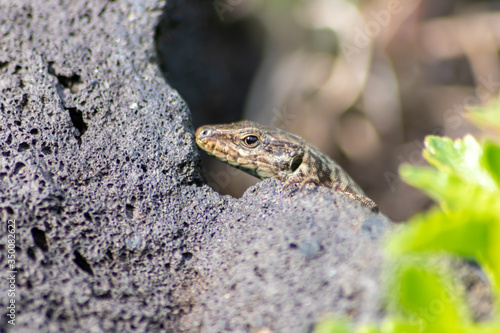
{"x":203,"y":134}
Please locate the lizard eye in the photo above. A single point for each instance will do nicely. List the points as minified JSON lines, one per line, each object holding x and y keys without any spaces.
{"x":251,"y":140}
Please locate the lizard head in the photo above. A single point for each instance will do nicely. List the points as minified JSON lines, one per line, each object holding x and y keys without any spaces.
{"x":259,"y":150}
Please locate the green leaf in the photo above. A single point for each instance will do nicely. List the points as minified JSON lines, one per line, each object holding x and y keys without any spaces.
{"x":449,"y":190}
{"x":472,"y":232}
{"x":434,"y":232}
{"x":491,"y":160}
{"x":428,"y":299}
{"x":460,"y":157}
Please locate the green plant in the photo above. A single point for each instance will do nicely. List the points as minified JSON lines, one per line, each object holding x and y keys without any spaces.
{"x":465,"y":182}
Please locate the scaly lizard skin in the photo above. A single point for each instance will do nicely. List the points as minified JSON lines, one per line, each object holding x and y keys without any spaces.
{"x":268,"y":152}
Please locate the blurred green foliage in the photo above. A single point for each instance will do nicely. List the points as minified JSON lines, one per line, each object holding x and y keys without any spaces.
{"x":465,"y":182}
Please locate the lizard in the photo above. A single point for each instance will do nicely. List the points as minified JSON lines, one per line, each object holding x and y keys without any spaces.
{"x":268,"y":152}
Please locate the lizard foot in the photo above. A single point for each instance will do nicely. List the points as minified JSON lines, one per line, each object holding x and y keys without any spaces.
{"x":364,"y":201}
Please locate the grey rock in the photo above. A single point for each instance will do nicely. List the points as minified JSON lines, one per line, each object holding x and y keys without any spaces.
{"x":115,"y":231}
{"x":283,"y":260}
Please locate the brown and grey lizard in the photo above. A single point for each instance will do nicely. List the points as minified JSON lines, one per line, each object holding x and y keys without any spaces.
{"x":268,"y":152}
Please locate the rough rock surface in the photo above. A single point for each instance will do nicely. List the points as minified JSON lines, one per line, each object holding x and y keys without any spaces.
{"x":282,"y":258}
{"x":115,"y":231}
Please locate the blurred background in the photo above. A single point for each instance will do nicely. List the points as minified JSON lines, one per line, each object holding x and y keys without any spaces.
{"x":365,"y":81}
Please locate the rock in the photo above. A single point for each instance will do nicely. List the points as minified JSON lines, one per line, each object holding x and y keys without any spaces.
{"x":284,"y":261}
{"x":115,"y":231}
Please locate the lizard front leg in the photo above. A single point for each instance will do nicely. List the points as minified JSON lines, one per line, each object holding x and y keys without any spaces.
{"x":363,"y":200}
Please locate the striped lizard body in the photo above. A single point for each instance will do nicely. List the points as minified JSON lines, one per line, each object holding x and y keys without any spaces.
{"x":268,"y":152}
